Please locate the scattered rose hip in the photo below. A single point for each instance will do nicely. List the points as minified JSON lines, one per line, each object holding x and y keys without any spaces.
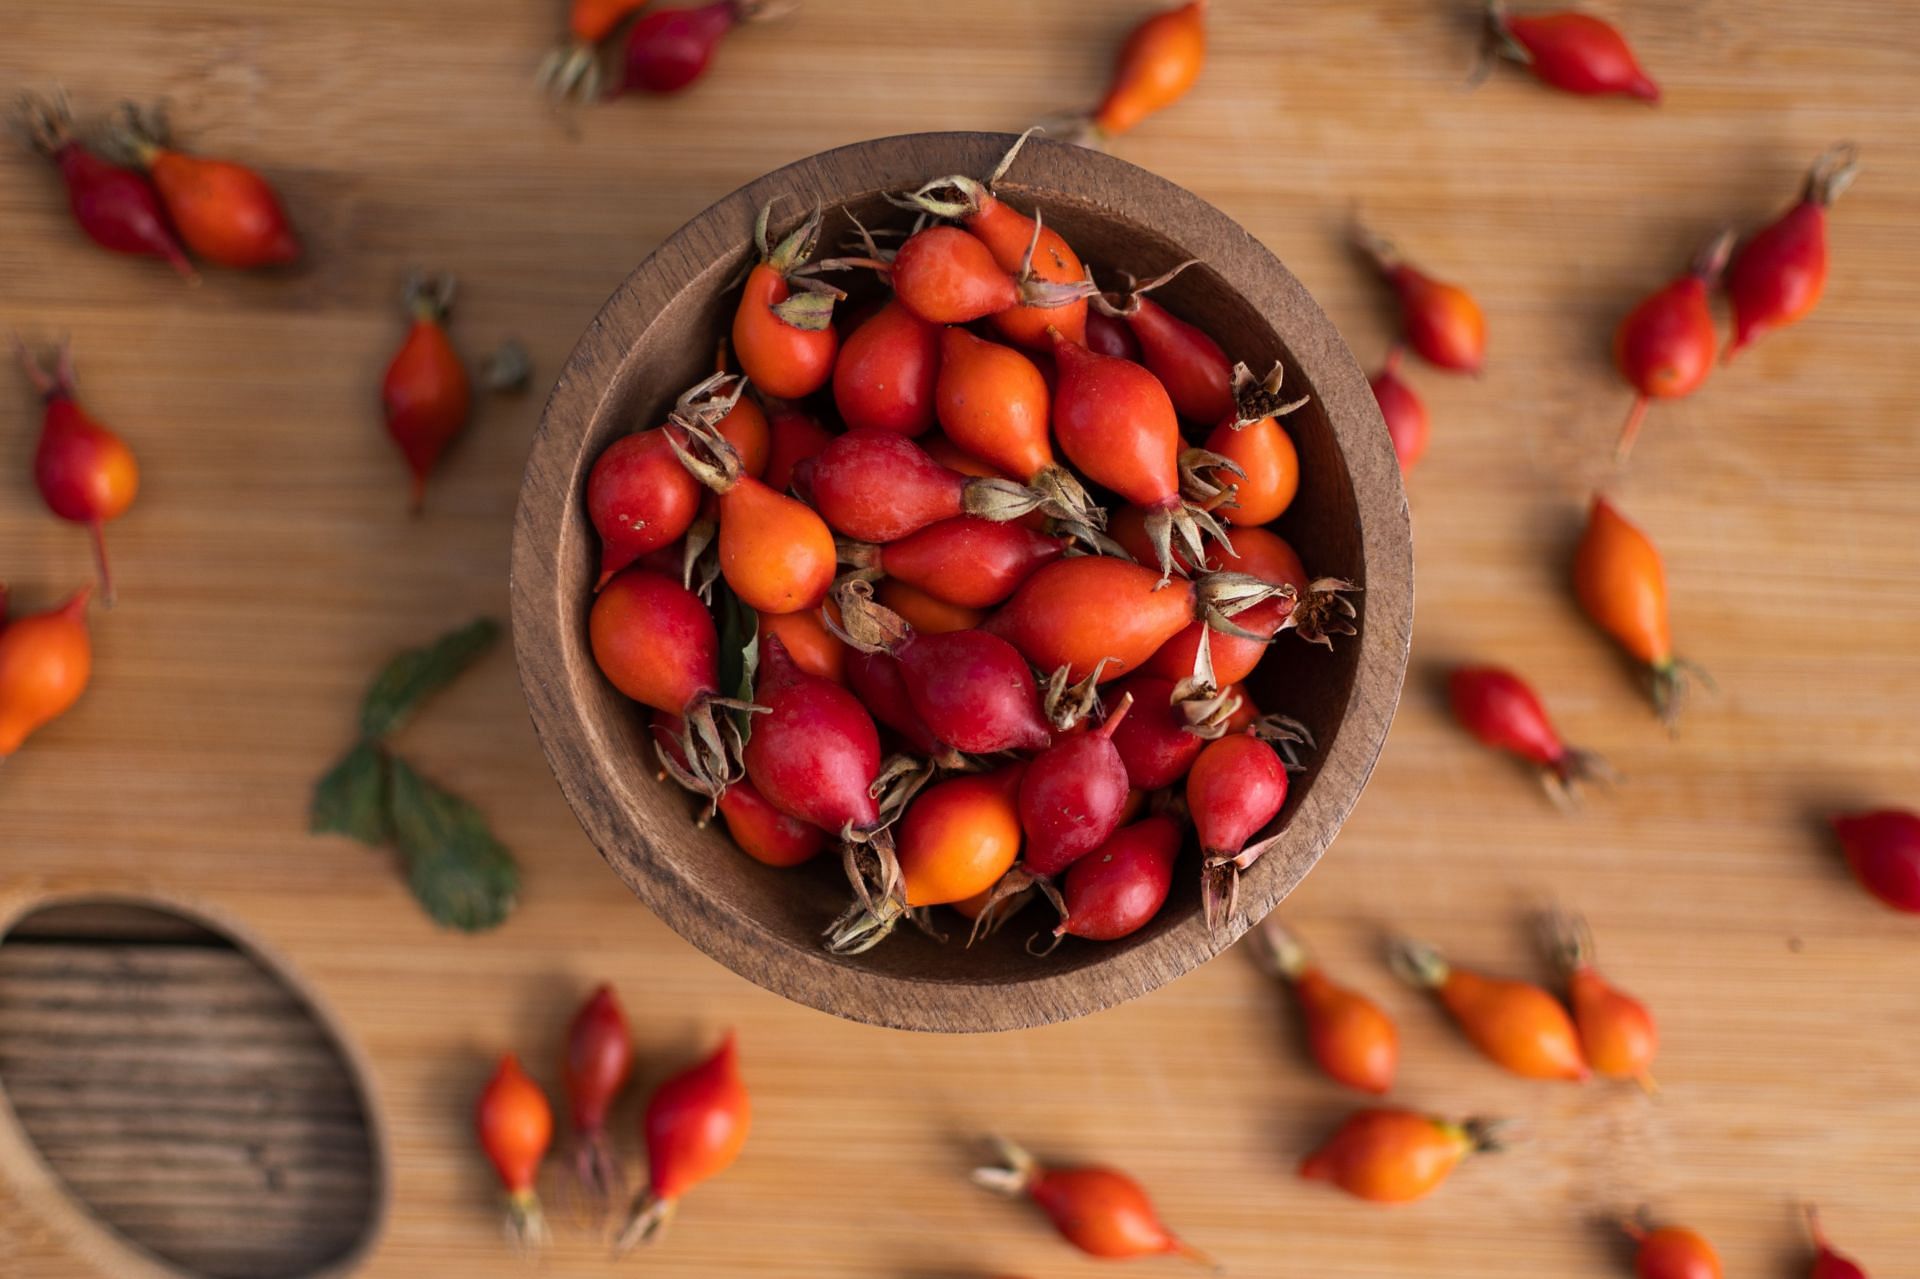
{"x":1622,"y":586}
{"x":594,"y":1068}
{"x":1101,"y":1211}
{"x":1574,"y":52}
{"x":1664,"y":347}
{"x":117,"y":207}
{"x":1515,"y":1024}
{"x":1408,"y":425}
{"x":935,"y":711}
{"x":1392,"y":1156}
{"x":1883,"y":850}
{"x":1617,"y":1033}
{"x":1671,"y":1252}
{"x":1441,"y":322}
{"x":226,"y":212}
{"x":1777,"y":276}
{"x":668,"y":49}
{"x":45,"y":662}
{"x":85,"y":472}
{"x":426,"y":393}
{"x":1157,"y":65}
{"x":1502,"y":712}
{"x":515,"y":1127}
{"x":1827,"y":1263}
{"x":694,"y":1127}
{"x":1351,"y":1038}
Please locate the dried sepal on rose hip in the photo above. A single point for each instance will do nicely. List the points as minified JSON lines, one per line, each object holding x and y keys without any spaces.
{"x":572,"y":70}
{"x":1351,"y":1038}
{"x":1234,"y":790}
{"x":1567,"y":50}
{"x":515,"y":1127}
{"x":1258,"y":472}
{"x":84,"y":471}
{"x":1664,"y":347}
{"x":783,"y":333}
{"x":1099,"y":1210}
{"x":46,"y":660}
{"x":116,"y":207}
{"x":1515,"y":1024}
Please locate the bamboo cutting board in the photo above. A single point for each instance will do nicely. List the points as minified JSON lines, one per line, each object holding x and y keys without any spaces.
{"x":270,"y":566}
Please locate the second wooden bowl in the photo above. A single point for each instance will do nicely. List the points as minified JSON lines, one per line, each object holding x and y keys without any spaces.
{"x":656,"y":336}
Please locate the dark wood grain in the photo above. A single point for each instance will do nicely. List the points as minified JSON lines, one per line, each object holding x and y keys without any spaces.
{"x":183,"y":1093}
{"x":655,"y":337}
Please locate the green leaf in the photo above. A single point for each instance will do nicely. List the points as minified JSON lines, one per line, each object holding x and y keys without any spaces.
{"x":462,"y":875}
{"x":352,"y":798}
{"x":739,"y":649}
{"x":418,"y":673}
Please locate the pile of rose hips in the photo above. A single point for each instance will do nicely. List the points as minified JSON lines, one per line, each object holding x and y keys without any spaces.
{"x":949,"y":527}
{"x":694,"y":1126}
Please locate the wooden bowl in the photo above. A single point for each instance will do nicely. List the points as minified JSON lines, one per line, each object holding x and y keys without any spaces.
{"x":656,"y":336}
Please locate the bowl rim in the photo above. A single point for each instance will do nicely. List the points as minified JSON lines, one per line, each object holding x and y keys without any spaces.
{"x":544,"y":608}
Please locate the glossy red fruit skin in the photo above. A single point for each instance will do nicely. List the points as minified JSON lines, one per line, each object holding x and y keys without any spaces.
{"x":118,"y":208}
{"x":763,"y":832}
{"x":1406,"y":415}
{"x":1073,"y":797}
{"x":968,"y":560}
{"x":1388,"y":1155}
{"x":1266,"y":556}
{"x":227,"y":213}
{"x":1235,"y":787}
{"x":974,"y":692}
{"x":696,"y":1123}
{"x":1111,"y":337}
{"x":654,"y":640}
{"x":1883,"y":849}
{"x":639,"y":498}
{"x":816,"y":753}
{"x":1828,"y":1264}
{"x":1675,"y":1253}
{"x":876,"y":680}
{"x":1443,"y":322}
{"x":884,"y":377}
{"x":945,"y":275}
{"x":515,"y":1124}
{"x":598,"y":1061}
{"x":1009,"y":233}
{"x":1578,"y":53}
{"x":1664,"y":347}
{"x":1196,"y":373}
{"x":1502,"y":712}
{"x":1115,"y":422}
{"x":1116,"y":889}
{"x":879,"y":486}
{"x":794,"y":435}
{"x":1154,"y":743}
{"x":426,"y":394}
{"x":1078,"y":610}
{"x":669,"y":49}
{"x":1778,"y":275}
{"x":1339,"y":1021}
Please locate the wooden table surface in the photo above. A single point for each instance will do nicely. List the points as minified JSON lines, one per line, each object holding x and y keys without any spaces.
{"x":270,"y":565}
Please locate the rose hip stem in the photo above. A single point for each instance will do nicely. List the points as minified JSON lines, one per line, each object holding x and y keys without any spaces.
{"x":117,"y":207}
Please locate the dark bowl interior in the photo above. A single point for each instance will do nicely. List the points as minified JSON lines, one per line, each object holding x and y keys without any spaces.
{"x":657,"y":337}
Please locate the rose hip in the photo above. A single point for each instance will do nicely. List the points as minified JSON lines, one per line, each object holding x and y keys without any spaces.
{"x":794,"y":435}
{"x":85,"y":472}
{"x":426,"y":393}
{"x":763,"y":832}
{"x":669,"y":49}
{"x":1236,"y":787}
{"x":1116,"y":889}
{"x":1827,"y":1263}
{"x":117,"y":208}
{"x":1502,"y":712}
{"x":1165,"y":731}
{"x":877,"y":486}
{"x":595,"y":1067}
{"x":1154,"y":69}
{"x":946,"y":275}
{"x":1778,"y":275}
{"x":695,"y":1126}
{"x":971,"y":689}
{"x":1108,"y":335}
{"x":1515,"y":1024}
{"x":1622,"y":585}
{"x":1101,"y":1211}
{"x":1406,"y":416}
{"x":994,"y":403}
{"x":1073,"y":796}
{"x":814,"y":648}
{"x":1395,"y":1156}
{"x":966,"y":560}
{"x":875,"y":679}
{"x":1196,"y":373}
{"x":927,"y":614}
{"x":884,"y":377}
{"x":515,"y":1127}
{"x":785,"y":340}
{"x":1263,"y":472}
{"x":1883,"y":849}
{"x":1574,"y":52}
{"x":1672,"y":1252}
{"x":46,"y":660}
{"x":1351,"y":1038}
{"x":1664,"y":348}
{"x":226,"y":212}
{"x":815,"y":754}
{"x":1442,"y":322}
{"x":1617,"y":1033}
